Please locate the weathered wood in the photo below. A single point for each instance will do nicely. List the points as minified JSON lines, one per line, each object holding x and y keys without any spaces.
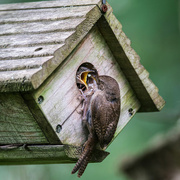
{"x":33,"y":15}
{"x":40,"y":42}
{"x":51,"y":4}
{"x":44,"y":125}
{"x":13,"y":80}
{"x":17,"y":122}
{"x":22,"y":40}
{"x":41,"y":47}
{"x":44,"y":154}
{"x":60,"y":91}
{"x":63,"y":25}
{"x":21,"y":64}
{"x":28,"y":52}
{"x":129,"y":62}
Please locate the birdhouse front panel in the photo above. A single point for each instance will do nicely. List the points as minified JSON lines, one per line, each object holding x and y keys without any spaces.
{"x":61,"y":105}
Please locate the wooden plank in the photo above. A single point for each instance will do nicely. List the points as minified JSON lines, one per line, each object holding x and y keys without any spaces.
{"x":46,"y":4}
{"x":12,"y":80}
{"x":40,"y":26}
{"x":58,"y":51}
{"x":21,"y":64}
{"x":71,"y":43}
{"x":60,"y":91}
{"x":28,"y":52}
{"x":40,"y":119}
{"x":20,"y":40}
{"x":17,"y":122}
{"x":129,"y":62}
{"x":34,"y":15}
{"x":10,"y":76}
{"x":44,"y":154}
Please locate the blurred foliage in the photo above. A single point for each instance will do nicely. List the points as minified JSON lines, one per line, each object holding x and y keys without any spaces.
{"x":154,"y":30}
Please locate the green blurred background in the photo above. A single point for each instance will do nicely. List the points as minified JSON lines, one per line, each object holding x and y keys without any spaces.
{"x":154,"y":30}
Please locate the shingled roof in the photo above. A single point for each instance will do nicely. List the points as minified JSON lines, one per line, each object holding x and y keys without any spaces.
{"x":35,"y":38}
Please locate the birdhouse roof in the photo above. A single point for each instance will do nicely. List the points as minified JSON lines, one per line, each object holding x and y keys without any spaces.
{"x":36,"y":38}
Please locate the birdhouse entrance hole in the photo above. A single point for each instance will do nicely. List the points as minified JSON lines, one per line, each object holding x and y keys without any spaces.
{"x":80,"y":74}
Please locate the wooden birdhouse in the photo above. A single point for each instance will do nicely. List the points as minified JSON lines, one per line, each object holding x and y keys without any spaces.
{"x":42,"y":46}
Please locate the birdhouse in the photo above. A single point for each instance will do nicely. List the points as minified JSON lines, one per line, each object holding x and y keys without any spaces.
{"x":42,"y":46}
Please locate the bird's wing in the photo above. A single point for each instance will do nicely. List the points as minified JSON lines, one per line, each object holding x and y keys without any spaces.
{"x":103,"y":118}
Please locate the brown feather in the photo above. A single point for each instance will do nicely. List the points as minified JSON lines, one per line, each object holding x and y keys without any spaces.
{"x":101,"y":113}
{"x":105,"y":109}
{"x":85,"y":156}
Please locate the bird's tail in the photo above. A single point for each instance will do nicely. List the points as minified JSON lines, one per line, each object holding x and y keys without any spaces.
{"x":85,"y":156}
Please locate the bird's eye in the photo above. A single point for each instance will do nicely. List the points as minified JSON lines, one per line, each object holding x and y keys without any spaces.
{"x":90,"y":79}
{"x":89,"y":75}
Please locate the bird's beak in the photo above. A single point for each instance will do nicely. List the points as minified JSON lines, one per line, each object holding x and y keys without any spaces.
{"x":83,"y":78}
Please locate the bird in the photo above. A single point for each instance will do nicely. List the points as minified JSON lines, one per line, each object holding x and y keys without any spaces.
{"x":100,"y":111}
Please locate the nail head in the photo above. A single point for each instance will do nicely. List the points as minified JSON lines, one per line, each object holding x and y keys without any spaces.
{"x":40,"y":99}
{"x":58,"y":128}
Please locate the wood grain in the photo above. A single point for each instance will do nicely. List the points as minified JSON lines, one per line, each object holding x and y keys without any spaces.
{"x":30,"y":31}
{"x":17,"y":122}
{"x":40,"y":31}
{"x":33,"y":15}
{"x":42,"y":45}
{"x":50,"y":4}
{"x":129,"y":61}
{"x":44,"y":154}
{"x":60,"y":91}
{"x":28,"y":52}
{"x":11,"y":80}
{"x":39,"y":27}
{"x":21,"y":64}
{"x":22,"y":40}
{"x":40,"y":119}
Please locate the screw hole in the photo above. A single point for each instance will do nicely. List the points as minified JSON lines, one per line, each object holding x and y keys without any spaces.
{"x":131,"y":111}
{"x":58,"y":128}
{"x":40,"y":99}
{"x":38,"y":49}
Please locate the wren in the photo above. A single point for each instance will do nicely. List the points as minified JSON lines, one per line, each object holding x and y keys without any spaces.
{"x":101,"y":112}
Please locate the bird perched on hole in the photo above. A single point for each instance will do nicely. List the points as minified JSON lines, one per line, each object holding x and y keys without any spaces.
{"x":101,"y":111}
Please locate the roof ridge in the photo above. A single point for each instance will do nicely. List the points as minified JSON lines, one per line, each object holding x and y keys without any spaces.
{"x":134,"y":71}
{"x":48,"y":4}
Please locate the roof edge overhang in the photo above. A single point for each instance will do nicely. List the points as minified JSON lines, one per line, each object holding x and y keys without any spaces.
{"x":119,"y":44}
{"x":31,"y":79}
{"x":129,"y":62}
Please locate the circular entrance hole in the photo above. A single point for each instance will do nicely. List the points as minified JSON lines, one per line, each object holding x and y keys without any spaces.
{"x":81,"y":74}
